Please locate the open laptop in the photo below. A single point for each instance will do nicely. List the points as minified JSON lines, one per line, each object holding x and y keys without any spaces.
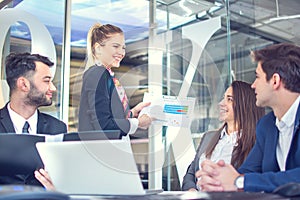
{"x":104,"y":167}
{"x":18,"y":154}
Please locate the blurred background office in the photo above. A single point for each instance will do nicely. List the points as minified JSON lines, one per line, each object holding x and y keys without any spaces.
{"x":188,"y":48}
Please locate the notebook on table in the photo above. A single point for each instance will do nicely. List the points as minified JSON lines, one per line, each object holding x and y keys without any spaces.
{"x":104,"y":167}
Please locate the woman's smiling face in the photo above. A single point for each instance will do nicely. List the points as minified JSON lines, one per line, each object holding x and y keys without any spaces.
{"x":112,"y":51}
{"x":226,"y":113}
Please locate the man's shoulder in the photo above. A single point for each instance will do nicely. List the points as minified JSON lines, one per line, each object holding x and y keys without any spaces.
{"x":3,"y":107}
{"x":4,"y":112}
{"x":268,"y":118}
{"x":50,"y":118}
{"x":48,"y":124}
{"x":266,"y":125}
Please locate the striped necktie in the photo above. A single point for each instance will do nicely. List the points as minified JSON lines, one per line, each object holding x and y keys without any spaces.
{"x":121,"y":92}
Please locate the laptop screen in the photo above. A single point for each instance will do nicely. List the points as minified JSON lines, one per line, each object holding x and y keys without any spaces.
{"x":18,"y":153}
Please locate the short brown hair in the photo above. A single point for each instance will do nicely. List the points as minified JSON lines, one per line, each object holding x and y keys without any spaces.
{"x":283,"y":59}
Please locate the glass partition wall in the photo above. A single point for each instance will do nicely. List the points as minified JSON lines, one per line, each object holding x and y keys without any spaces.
{"x":203,"y":46}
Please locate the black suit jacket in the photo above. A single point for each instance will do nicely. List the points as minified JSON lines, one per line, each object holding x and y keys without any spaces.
{"x":100,"y":106}
{"x":46,"y":125}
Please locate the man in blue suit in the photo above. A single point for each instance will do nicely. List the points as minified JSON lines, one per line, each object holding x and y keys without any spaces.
{"x":30,"y":81}
{"x":275,"y":157}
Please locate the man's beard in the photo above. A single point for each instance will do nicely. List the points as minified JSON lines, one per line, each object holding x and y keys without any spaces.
{"x":37,"y":98}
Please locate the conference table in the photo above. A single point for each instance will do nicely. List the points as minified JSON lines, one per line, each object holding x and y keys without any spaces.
{"x":178,"y":195}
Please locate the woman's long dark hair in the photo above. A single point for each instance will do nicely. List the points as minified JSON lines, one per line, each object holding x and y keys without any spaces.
{"x":246,"y":115}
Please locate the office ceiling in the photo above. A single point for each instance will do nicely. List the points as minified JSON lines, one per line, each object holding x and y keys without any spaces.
{"x":277,"y":18}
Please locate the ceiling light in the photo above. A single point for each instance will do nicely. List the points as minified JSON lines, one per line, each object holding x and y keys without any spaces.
{"x":185,"y":8}
{"x":284,"y":17}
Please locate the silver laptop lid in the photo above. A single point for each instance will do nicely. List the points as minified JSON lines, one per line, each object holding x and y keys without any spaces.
{"x":100,"y":167}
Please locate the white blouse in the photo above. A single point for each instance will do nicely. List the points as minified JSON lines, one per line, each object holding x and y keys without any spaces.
{"x":223,"y":149}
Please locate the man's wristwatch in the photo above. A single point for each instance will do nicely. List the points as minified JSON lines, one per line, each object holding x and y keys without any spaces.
{"x":239,"y":182}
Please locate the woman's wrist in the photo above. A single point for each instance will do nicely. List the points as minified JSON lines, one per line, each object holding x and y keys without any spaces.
{"x":130,"y":114}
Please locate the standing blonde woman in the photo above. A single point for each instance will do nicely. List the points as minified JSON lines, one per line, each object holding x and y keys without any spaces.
{"x":104,"y":104}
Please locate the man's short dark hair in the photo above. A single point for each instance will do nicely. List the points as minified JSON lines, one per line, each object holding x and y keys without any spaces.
{"x":284,"y":59}
{"x":22,"y":64}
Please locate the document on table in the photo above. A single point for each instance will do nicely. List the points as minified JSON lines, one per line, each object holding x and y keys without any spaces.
{"x":170,"y":110}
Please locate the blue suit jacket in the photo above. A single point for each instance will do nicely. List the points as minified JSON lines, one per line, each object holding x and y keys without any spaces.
{"x":46,"y":125}
{"x":262,"y":172}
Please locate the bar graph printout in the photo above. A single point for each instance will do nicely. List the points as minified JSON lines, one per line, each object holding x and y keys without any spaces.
{"x":170,"y":110}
